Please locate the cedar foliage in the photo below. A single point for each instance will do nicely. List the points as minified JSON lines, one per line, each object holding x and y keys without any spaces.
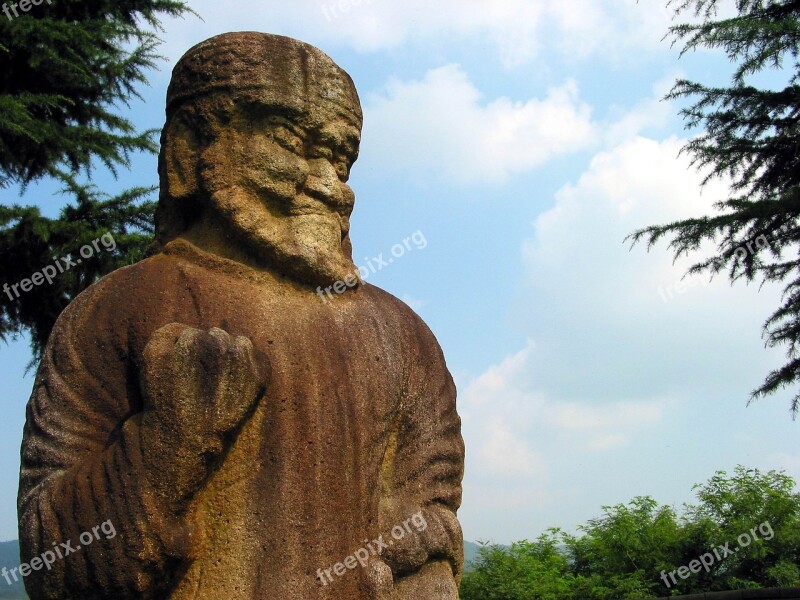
{"x":68,"y":72}
{"x":750,"y":137}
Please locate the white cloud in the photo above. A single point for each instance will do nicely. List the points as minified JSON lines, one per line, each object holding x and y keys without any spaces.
{"x":504,"y":414}
{"x":649,"y":114}
{"x":508,"y":453}
{"x":497,"y":411}
{"x":639,"y":312}
{"x":590,"y":418}
{"x":616,"y":28}
{"x":523,"y":444}
{"x":620,"y":393}
{"x":620,"y":386}
{"x":606,"y":426}
{"x":518,"y":29}
{"x":441,"y":123}
{"x":607,"y":441}
{"x":624,"y":392}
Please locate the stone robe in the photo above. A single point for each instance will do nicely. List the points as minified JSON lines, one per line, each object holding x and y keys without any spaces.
{"x":357,"y":432}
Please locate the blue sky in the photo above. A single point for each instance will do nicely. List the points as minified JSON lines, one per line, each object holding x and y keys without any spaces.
{"x":525,"y":139}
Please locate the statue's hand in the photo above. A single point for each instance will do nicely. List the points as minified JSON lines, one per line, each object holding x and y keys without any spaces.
{"x":380,"y":581}
{"x":199,"y":387}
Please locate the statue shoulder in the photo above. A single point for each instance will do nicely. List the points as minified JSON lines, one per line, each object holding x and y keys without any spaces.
{"x":391,"y":304}
{"x":403,"y":316}
{"x":112,"y":298}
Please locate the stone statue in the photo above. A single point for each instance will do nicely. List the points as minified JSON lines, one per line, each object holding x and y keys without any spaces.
{"x":245,"y":439}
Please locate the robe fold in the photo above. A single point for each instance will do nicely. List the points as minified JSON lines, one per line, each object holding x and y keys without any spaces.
{"x":357,"y":433}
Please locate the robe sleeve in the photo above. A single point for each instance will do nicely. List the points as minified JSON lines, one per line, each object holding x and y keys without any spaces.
{"x":424,"y":467}
{"x":82,"y":473}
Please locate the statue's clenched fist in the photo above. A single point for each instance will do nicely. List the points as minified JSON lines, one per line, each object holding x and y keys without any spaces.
{"x":199,"y":388}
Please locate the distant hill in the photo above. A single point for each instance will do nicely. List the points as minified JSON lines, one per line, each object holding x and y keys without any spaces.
{"x":9,"y":557}
{"x":470,"y":553}
{"x":472,"y":550}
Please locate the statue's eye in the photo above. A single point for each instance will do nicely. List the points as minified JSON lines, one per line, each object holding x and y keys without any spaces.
{"x":288,"y":139}
{"x":339,"y":161}
{"x":320,"y":151}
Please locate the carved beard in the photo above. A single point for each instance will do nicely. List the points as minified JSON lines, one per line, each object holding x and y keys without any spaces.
{"x":305,"y":245}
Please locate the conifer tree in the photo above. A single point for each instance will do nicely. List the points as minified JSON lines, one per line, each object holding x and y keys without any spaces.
{"x":750,"y":137}
{"x":68,"y":71}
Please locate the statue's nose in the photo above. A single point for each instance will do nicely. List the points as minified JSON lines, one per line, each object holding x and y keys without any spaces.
{"x":323,"y":183}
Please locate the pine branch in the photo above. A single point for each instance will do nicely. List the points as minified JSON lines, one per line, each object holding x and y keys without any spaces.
{"x":750,"y":139}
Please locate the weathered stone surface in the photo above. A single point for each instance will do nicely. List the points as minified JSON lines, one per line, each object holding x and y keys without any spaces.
{"x":242,"y":434}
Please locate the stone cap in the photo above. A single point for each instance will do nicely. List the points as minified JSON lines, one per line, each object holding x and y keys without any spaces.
{"x":265,"y":68}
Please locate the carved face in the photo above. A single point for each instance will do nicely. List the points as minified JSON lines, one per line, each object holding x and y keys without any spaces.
{"x":279,"y":183}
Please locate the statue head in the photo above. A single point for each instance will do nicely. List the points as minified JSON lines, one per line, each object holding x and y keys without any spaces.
{"x":260,"y":136}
